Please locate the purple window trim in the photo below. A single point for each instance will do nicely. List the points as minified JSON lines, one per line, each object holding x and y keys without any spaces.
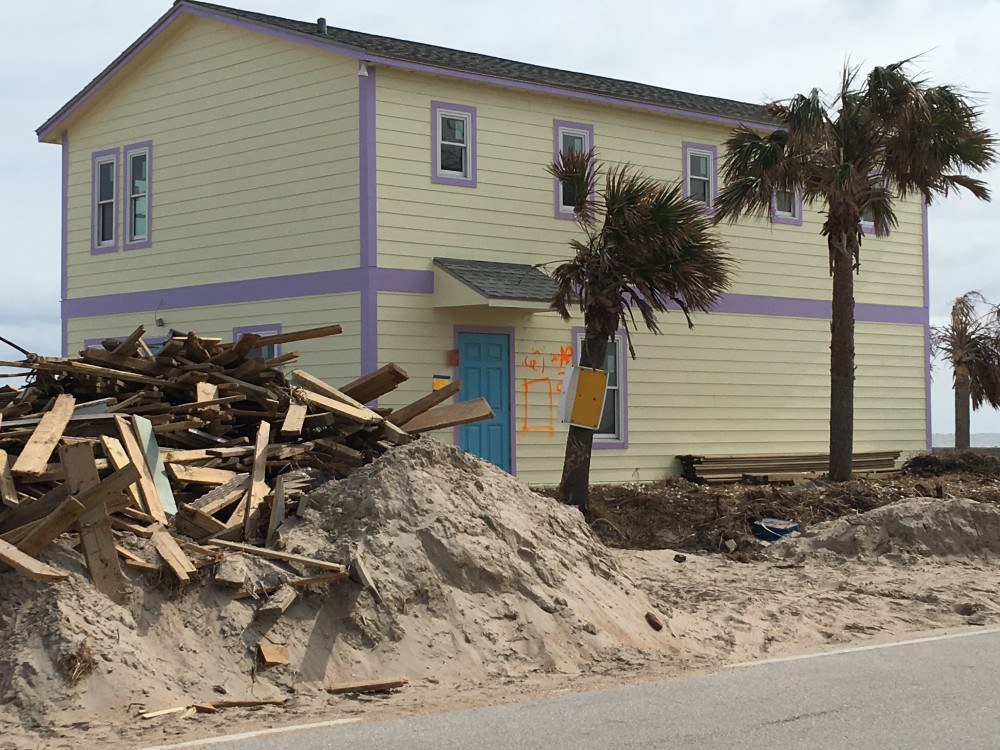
{"x":265,"y":329}
{"x":52,"y":124}
{"x":605,"y":442}
{"x":558,"y":125}
{"x":367,"y":177}
{"x":511,"y":392}
{"x":777,"y":218}
{"x":95,"y":158}
{"x":127,"y":152}
{"x":713,"y":188}
{"x":436,"y":109}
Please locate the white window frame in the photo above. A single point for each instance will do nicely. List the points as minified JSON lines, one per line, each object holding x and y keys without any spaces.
{"x":466,"y":117}
{"x":617,"y":392}
{"x":100,"y":161}
{"x":710,"y":180}
{"x":561,"y":131}
{"x":130,"y":235}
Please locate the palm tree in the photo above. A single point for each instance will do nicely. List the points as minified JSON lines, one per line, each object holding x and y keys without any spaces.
{"x":888,"y":136}
{"x":645,"y":245}
{"x":971,"y":342}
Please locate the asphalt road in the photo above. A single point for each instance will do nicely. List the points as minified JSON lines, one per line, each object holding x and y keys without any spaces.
{"x":941,"y":693}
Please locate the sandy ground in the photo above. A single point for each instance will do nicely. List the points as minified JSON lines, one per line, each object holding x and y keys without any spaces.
{"x":491,"y":593}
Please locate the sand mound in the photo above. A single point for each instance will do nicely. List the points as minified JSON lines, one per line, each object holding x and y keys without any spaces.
{"x":478,"y":574}
{"x":917,"y":526}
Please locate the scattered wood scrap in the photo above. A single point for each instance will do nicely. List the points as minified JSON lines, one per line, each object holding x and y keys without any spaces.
{"x":376,"y":686}
{"x":764,"y":468}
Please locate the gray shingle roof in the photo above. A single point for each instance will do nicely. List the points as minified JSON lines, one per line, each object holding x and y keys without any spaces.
{"x":471,"y":62}
{"x":493,"y":280}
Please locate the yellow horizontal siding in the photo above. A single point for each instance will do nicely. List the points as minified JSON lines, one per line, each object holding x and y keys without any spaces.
{"x":255,"y":161}
{"x":733,"y":384}
{"x":334,"y":358}
{"x":508,"y":216}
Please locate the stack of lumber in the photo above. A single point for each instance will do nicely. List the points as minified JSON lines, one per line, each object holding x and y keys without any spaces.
{"x":785,"y":467}
{"x":201,"y":448}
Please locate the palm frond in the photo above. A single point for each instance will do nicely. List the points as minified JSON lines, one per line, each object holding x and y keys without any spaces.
{"x":577,"y":171}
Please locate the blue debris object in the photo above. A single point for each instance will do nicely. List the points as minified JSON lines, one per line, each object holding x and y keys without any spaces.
{"x":769,"y":529}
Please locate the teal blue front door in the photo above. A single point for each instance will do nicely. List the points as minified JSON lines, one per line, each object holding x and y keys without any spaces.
{"x":484,"y":369}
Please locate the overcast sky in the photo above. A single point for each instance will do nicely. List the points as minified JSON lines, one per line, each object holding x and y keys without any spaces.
{"x":748,"y":50}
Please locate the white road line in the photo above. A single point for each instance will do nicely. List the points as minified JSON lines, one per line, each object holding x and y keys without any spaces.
{"x":870,"y":647}
{"x":250,"y":735}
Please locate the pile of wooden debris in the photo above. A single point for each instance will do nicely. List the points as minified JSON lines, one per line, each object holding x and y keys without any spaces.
{"x":201,"y":448}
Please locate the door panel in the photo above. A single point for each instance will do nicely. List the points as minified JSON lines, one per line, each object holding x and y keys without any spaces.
{"x":484,"y":369}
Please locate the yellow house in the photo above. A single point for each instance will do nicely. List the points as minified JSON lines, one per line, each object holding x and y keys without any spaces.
{"x":233,"y":171}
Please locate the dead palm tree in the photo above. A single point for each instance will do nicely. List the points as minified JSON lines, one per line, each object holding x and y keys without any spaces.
{"x":645,"y":246}
{"x":971,"y":342}
{"x":885,"y":137}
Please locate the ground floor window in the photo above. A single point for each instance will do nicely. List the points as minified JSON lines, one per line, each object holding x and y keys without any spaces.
{"x":612,"y":430}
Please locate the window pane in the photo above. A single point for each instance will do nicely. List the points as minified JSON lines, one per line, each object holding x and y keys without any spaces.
{"x":609,"y":417}
{"x":267,"y":352}
{"x":699,"y":190}
{"x":106,"y":222}
{"x":106,"y":181}
{"x":138,"y":173}
{"x":452,"y":158}
{"x":572,"y":142}
{"x":453,"y":130}
{"x":568,"y":195}
{"x":784,"y":202}
{"x":699,"y":165}
{"x":139,"y":217}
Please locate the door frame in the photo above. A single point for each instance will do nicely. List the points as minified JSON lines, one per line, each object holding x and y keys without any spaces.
{"x":507,"y":331}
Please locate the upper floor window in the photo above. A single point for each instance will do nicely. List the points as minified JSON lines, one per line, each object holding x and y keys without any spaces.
{"x":699,"y":172}
{"x":104,"y":191}
{"x":137,"y":195}
{"x":453,"y":136}
{"x":569,"y":137}
{"x":786,"y":207}
{"x":612,"y":431}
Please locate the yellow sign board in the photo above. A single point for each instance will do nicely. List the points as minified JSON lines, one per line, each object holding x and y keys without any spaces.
{"x":583,"y":394}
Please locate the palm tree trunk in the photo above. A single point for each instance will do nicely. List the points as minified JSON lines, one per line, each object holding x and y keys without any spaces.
{"x":842,"y":358}
{"x":963,"y":395}
{"x":574,"y":488}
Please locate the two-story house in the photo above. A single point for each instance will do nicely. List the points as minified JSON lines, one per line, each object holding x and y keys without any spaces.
{"x":234,"y":171}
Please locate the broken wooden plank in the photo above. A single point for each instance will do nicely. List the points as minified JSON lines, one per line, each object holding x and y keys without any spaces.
{"x":129,"y":345}
{"x":364,"y":415}
{"x":199,"y":474}
{"x":303,"y":379}
{"x":258,"y":483}
{"x":272,"y":654}
{"x":28,"y":566}
{"x":133,"y":560}
{"x":34,"y":458}
{"x":273,"y":554}
{"x":157,"y":469}
{"x":374,"y":686}
{"x":358,"y":573}
{"x":195,"y":524}
{"x":116,"y":454}
{"x":206,"y":392}
{"x":304,"y":335}
{"x":172,"y":554}
{"x":276,"y":604}
{"x":222,"y":496}
{"x":293,"y":422}
{"x":393,"y":434}
{"x":137,"y":458}
{"x":8,"y":492}
{"x":277,"y":511}
{"x":96,"y":539}
{"x":376,"y":383}
{"x":451,"y":415}
{"x":400,"y":417}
